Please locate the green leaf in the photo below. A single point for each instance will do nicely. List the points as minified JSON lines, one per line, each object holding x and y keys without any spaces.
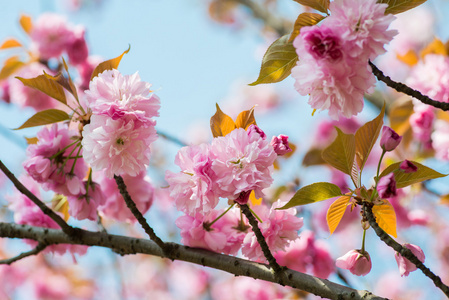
{"x":365,"y":138}
{"x":398,"y":6}
{"x":108,"y":65}
{"x":336,"y":212}
{"x":46,"y":85}
{"x":45,"y":117}
{"x":386,"y":217}
{"x":315,"y":192}
{"x":320,"y":5}
{"x":221,"y":124}
{"x":277,"y":62}
{"x":340,"y":154}
{"x":304,"y":19}
{"x":313,"y":158}
{"x":245,"y":119}
{"x":405,"y":179}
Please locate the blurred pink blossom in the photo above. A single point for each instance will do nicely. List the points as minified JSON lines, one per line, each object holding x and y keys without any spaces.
{"x":386,"y":187}
{"x":404,"y":265}
{"x":356,"y":262}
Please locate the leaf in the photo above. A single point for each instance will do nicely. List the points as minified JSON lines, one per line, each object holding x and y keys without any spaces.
{"x":60,"y":204}
{"x":405,"y":179}
{"x":313,"y":157}
{"x":45,"y":117}
{"x":399,"y":115}
{"x":221,"y":124}
{"x":245,"y":118}
{"x":336,"y":212}
{"x":108,"y":65}
{"x":410,"y":58}
{"x":398,"y":6}
{"x":386,"y":217}
{"x":315,"y":192}
{"x":304,"y":19}
{"x":254,"y":201}
{"x":26,"y":23}
{"x":11,"y":65}
{"x":366,"y":136}
{"x":435,"y":47}
{"x":10,"y":43}
{"x":46,"y":85}
{"x":277,"y":62}
{"x":340,"y":154}
{"x":320,"y":5}
{"x":64,"y":82}
{"x":31,"y":141}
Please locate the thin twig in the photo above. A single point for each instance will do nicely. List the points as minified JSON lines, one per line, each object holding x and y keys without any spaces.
{"x":39,"y":248}
{"x":263,"y":244}
{"x":171,"y":138}
{"x":45,"y":209}
{"x":403,"y":251}
{"x":135,"y":211}
{"x":400,"y":87}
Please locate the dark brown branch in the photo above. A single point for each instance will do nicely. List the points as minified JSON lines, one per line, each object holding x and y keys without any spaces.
{"x":237,"y":266}
{"x":39,"y":248}
{"x":135,"y":211}
{"x":45,"y":209}
{"x":403,"y":251}
{"x":400,"y":87}
{"x":263,"y":244}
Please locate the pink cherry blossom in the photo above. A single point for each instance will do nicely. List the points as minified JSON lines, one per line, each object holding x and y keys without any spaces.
{"x":117,"y":146}
{"x":119,"y":96}
{"x":363,"y":26}
{"x":279,"y":228}
{"x":50,"y":35}
{"x":404,"y":265}
{"x":193,"y":187}
{"x":85,"y":204}
{"x":440,"y":140}
{"x":408,"y":167}
{"x":356,"y":262}
{"x":422,"y":121}
{"x":49,"y":161}
{"x":280,"y":144}
{"x":25,"y":96}
{"x":386,"y":187}
{"x":77,"y":47}
{"x":389,"y":139}
{"x":139,"y":188}
{"x":244,"y":163}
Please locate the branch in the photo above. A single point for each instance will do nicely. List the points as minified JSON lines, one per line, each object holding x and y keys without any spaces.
{"x":400,"y":87}
{"x":45,"y":209}
{"x":39,"y":248}
{"x":171,"y":138}
{"x":263,"y":244}
{"x":237,"y":266}
{"x":135,"y":211}
{"x":403,"y":251}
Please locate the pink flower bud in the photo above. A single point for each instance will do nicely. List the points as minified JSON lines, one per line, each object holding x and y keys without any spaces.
{"x":408,"y":167}
{"x":252,"y":129}
{"x":389,"y":139}
{"x":386,"y":187}
{"x":405,"y":266}
{"x":280,"y":144}
{"x":356,"y":262}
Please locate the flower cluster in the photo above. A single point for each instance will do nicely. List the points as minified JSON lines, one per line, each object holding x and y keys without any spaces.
{"x":333,"y":58}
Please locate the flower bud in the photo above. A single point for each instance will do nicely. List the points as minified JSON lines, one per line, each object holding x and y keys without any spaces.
{"x":389,"y":139}
{"x":254,"y":129}
{"x":408,"y":167}
{"x":405,"y":266}
{"x":386,"y":187}
{"x":280,"y":144}
{"x":356,"y":262}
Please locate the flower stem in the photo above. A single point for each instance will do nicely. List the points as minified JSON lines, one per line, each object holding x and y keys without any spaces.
{"x":222,"y":214}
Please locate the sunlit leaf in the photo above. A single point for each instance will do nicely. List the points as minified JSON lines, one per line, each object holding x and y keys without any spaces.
{"x":254,"y":201}
{"x":398,"y":6}
{"x":108,"y":65}
{"x":245,"y":118}
{"x":46,"y":85}
{"x":26,"y":23}
{"x":340,"y":154}
{"x":10,"y":43}
{"x":304,"y":19}
{"x":12,"y":65}
{"x":399,"y":115}
{"x":64,"y":82}
{"x":386,"y":217}
{"x":366,"y":136}
{"x":72,"y":87}
{"x":313,"y":157}
{"x":221,"y":124}
{"x":60,"y":204}
{"x":444,"y":199}
{"x":45,"y":117}
{"x":31,"y":141}
{"x":336,"y":212}
{"x":320,"y":5}
{"x":405,"y":179}
{"x":289,"y":154}
{"x":410,"y":58}
{"x":435,"y":47}
{"x":277,"y":62}
{"x":315,"y":192}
